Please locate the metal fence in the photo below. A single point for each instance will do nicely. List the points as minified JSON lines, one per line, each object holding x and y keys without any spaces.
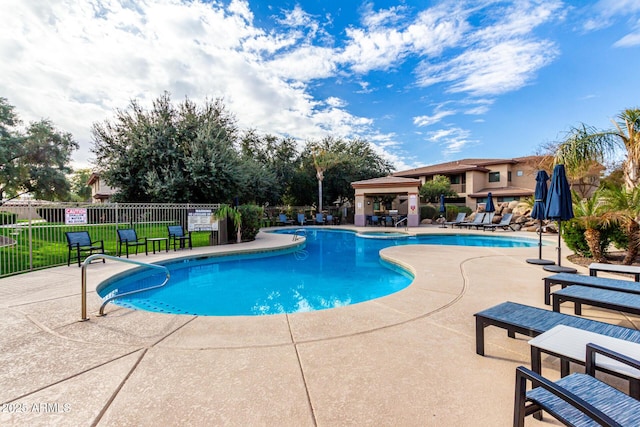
{"x":32,"y":234}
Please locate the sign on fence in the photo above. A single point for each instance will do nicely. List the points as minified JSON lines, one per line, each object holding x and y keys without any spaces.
{"x":75,"y":216}
{"x":201,"y":220}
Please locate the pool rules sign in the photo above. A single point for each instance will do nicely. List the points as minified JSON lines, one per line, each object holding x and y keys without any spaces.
{"x":201,"y":220}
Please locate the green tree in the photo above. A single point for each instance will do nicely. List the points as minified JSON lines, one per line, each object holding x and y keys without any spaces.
{"x":623,"y":207}
{"x":270,"y":164}
{"x":431,"y":190}
{"x":35,"y":160}
{"x":181,"y":153}
{"x":585,"y":144}
{"x":79,"y":187}
{"x":589,"y":213}
{"x":352,"y":160}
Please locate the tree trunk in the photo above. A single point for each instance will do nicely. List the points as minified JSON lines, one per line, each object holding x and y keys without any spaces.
{"x":634,"y":243}
{"x":631,"y":173}
{"x":592,"y":236}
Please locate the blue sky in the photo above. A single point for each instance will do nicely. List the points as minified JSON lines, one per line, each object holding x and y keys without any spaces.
{"x":424,"y":81}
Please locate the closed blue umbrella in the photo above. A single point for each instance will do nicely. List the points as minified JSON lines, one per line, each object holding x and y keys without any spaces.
{"x":558,"y":207}
{"x":539,"y":196}
{"x":489,"y":206}
{"x":443,"y":210}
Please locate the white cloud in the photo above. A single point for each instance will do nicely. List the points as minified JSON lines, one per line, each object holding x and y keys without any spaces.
{"x":453,"y":140}
{"x":421,"y":121}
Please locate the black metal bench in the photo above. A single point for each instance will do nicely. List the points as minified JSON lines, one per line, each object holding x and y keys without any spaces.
{"x":80,"y":243}
{"x":603,"y":298}
{"x":532,"y":321}
{"x":567,"y":279}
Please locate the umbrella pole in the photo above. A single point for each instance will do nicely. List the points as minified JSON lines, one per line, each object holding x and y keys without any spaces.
{"x":559,"y":234}
{"x":540,"y":240}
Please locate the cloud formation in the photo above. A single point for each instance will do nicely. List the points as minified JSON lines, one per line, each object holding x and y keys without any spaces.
{"x":76,"y":61}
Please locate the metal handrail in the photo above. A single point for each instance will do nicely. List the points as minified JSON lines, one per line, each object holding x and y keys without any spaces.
{"x":405,"y":220}
{"x":296,"y":236}
{"x":83,"y":273}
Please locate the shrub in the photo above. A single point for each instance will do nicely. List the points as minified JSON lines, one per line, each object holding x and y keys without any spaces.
{"x":573,"y":234}
{"x":8,"y":218}
{"x":251,"y":216}
{"x":428,"y":212}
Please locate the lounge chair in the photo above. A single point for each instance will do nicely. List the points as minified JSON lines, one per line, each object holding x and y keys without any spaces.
{"x":568,"y":279}
{"x":533,"y":321}
{"x":129,"y":238}
{"x":329,"y":219}
{"x":488,"y":219}
{"x":282,"y":219}
{"x":476,"y":220}
{"x":594,"y":267}
{"x":301,"y":219}
{"x":459,"y":219}
{"x":79,"y":243}
{"x":505,"y":223}
{"x":597,"y":297}
{"x":320,"y":219}
{"x":178,"y":236}
{"x":577,"y":399}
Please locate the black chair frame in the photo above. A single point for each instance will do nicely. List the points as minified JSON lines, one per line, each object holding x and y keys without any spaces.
{"x":129,"y":238}
{"x":80,"y":243}
{"x":178,"y":237}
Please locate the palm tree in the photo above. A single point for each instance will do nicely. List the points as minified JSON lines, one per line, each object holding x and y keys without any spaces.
{"x":624,"y":208}
{"x":587,"y":144}
{"x":322,"y":160}
{"x":589,"y":213}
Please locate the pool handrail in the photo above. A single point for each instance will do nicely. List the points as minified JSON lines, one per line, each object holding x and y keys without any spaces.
{"x":406,"y":223}
{"x":303,"y":234}
{"x":83,"y":284}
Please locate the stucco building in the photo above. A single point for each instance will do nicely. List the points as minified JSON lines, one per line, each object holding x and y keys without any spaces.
{"x":100,"y":192}
{"x":473,"y":179}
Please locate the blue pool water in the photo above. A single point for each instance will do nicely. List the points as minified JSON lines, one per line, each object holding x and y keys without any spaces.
{"x":334,"y":269}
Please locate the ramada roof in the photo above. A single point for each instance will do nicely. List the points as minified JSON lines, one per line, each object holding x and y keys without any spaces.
{"x":459,"y":166}
{"x":385,"y":181}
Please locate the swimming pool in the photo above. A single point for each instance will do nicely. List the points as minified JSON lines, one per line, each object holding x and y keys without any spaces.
{"x":335,"y":268}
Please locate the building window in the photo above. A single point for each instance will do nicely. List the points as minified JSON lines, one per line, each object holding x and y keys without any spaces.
{"x":509,"y":176}
{"x":494,"y":176}
{"x":519,"y":173}
{"x":454,"y":179}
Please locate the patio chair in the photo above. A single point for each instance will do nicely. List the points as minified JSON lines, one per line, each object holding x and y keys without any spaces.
{"x":178,"y":236}
{"x":129,"y":238}
{"x":597,"y":297}
{"x":505,"y":223}
{"x":282,"y":219}
{"x":79,"y":243}
{"x":320,"y":219}
{"x":488,"y":219}
{"x":375,"y":220}
{"x":533,"y":321}
{"x":569,"y":279}
{"x":329,"y":219}
{"x":577,"y":399}
{"x":459,"y":219}
{"x":301,"y":219}
{"x":477,"y":220}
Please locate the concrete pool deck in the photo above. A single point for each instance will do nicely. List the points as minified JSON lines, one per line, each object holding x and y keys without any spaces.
{"x":406,"y":359}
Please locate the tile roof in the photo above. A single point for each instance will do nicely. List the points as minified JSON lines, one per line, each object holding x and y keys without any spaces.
{"x":463,"y":165}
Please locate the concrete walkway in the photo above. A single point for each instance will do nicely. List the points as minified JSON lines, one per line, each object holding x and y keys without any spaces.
{"x":406,"y":359}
